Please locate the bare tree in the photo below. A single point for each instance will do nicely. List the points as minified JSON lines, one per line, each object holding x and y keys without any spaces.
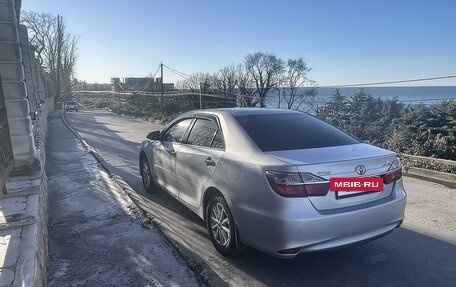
{"x":245,"y":85}
{"x":180,"y":85}
{"x":296,"y":89}
{"x":223,"y":87}
{"x":255,"y":78}
{"x":41,"y":28}
{"x":226,"y":79}
{"x":55,"y":48}
{"x":197,"y":82}
{"x":266,"y":71}
{"x":68,"y":62}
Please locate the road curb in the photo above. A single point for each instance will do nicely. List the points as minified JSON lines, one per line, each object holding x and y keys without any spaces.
{"x":201,"y":270}
{"x":431,"y":175}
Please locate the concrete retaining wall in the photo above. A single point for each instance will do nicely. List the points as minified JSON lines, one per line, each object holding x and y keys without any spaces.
{"x":15,"y":90}
{"x":34,"y":260}
{"x":31,"y":266}
{"x":24,"y":231}
{"x":431,"y":175}
{"x":425,"y":170}
{"x":23,"y":210}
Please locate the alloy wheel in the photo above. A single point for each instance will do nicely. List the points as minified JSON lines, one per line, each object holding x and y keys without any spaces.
{"x":146,"y":175}
{"x":220,"y":224}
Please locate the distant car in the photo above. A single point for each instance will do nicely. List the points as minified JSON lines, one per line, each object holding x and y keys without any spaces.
{"x":261,"y":177}
{"x":71,"y":106}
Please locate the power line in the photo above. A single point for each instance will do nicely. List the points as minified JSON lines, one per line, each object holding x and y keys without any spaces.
{"x":184,"y":75}
{"x":427,"y":100}
{"x":189,"y":78}
{"x":391,"y":82}
{"x":145,"y":86}
{"x":158,"y":69}
{"x":150,"y":80}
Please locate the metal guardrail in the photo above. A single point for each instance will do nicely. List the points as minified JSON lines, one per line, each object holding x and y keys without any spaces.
{"x":6,"y":150}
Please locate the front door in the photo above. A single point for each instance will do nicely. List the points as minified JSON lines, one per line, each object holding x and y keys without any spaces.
{"x":165,"y":153}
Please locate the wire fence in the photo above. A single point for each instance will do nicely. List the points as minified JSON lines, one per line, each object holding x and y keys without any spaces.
{"x":146,"y":101}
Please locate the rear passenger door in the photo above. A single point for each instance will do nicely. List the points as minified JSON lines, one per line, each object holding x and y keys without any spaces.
{"x":198,"y":158}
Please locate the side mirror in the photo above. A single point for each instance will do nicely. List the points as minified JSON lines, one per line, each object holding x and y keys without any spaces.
{"x":155,"y":135}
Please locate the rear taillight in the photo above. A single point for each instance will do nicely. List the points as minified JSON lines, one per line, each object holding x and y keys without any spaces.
{"x":392,"y":176}
{"x":394,"y":173}
{"x":297,"y":184}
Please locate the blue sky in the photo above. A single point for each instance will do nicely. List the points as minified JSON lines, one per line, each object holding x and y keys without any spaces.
{"x":344,"y":42}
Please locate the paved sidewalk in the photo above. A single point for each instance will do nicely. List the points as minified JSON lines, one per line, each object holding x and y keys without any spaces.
{"x":94,"y":237}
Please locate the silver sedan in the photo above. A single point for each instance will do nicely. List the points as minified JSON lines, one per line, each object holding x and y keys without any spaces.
{"x":261,"y":177}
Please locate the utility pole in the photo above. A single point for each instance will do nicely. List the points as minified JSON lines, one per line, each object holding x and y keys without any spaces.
{"x":201,"y":97}
{"x":59,"y":53}
{"x":161,"y":86}
{"x":126,"y":101}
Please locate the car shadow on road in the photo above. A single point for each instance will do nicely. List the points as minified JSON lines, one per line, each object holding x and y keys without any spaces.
{"x":402,"y":258}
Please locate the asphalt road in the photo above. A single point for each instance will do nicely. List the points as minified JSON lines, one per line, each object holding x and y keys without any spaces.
{"x":420,"y":253}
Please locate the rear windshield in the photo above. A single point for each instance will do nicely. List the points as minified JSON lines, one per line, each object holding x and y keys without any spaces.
{"x":71,"y":103}
{"x":275,"y":132}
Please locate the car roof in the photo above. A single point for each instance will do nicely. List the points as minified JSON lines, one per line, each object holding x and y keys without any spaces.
{"x":242,"y":111}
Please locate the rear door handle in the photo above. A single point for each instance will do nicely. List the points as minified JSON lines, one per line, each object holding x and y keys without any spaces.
{"x":209,"y":161}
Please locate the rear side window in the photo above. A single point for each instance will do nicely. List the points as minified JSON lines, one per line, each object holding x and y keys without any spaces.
{"x":275,"y":132}
{"x":202,"y":133}
{"x":219,"y":141}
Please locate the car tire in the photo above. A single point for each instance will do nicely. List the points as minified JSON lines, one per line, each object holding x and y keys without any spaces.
{"x":221,"y":226}
{"x":146,"y":175}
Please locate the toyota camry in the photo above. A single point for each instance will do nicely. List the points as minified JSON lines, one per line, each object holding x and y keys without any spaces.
{"x":263,"y":178}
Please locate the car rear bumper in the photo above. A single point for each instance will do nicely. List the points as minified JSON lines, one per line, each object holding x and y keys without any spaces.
{"x":315,"y":231}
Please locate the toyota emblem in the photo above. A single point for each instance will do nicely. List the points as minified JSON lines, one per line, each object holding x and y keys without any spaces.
{"x":360,"y":169}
